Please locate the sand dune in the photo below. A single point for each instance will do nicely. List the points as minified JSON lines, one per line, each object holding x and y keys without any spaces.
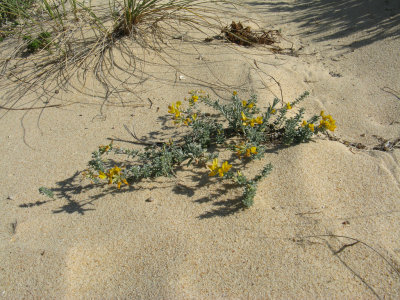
{"x":324,"y":223}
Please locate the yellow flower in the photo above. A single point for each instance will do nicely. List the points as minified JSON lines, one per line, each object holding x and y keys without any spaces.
{"x":195,"y":98}
{"x":327,"y":122}
{"x":115,"y":171}
{"x":105,"y":149}
{"x":216,"y":170}
{"x":114,"y":175}
{"x":224,"y":168}
{"x":213,"y":167}
{"x":244,"y":119}
{"x":244,"y":104}
{"x":174,"y":109}
{"x":234,"y":93}
{"x":304,"y":123}
{"x":252,"y":150}
{"x":257,"y":120}
{"x":288,"y":106}
{"x":273,"y":111}
{"x":251,"y":122}
{"x":187,"y":121}
{"x":311,"y":126}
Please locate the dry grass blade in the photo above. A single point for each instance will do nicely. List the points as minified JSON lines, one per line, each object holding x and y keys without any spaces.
{"x":86,"y":39}
{"x":238,"y":34}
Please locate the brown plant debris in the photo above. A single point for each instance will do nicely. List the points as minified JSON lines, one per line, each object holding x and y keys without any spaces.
{"x":384,"y":144}
{"x":244,"y":36}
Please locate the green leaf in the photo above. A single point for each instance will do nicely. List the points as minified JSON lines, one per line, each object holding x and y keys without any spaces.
{"x":47,"y":192}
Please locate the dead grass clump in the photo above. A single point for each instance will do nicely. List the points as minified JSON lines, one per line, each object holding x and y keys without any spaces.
{"x":244,"y":36}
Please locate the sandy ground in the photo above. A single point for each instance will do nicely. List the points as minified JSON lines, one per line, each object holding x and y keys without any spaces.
{"x":325,"y":223}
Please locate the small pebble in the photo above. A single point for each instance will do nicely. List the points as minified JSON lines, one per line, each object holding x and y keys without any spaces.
{"x":10,"y":197}
{"x":150,"y":199}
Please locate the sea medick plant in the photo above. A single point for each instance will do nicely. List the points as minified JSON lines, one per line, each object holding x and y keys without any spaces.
{"x":240,"y":127}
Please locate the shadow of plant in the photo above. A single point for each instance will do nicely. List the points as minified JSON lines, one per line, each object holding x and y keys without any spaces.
{"x":223,"y":208}
{"x":377,"y":19}
{"x":72,"y":188}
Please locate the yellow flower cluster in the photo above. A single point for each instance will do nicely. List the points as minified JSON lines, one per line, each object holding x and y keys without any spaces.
{"x":193,"y":99}
{"x":104,"y":149}
{"x":309,"y":125}
{"x":215,"y":169}
{"x":288,"y":106}
{"x":114,"y":176}
{"x":187,"y":121}
{"x":248,"y":105}
{"x":194,"y":96}
{"x":251,"y":122}
{"x":246,"y":152}
{"x":174,"y":109}
{"x":327,"y":122}
{"x":179,"y":118}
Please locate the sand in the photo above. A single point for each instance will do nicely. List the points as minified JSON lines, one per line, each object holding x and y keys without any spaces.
{"x":324,"y":223}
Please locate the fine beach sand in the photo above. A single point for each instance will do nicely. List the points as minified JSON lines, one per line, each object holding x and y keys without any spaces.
{"x":325,"y":223}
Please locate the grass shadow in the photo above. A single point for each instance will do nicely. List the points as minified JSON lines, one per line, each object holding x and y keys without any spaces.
{"x":372,"y":21}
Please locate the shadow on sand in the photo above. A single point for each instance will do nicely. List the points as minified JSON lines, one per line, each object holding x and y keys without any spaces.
{"x":373,"y":20}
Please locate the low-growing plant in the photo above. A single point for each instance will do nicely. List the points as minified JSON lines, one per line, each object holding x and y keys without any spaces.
{"x":42,"y":41}
{"x":242,"y":128}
